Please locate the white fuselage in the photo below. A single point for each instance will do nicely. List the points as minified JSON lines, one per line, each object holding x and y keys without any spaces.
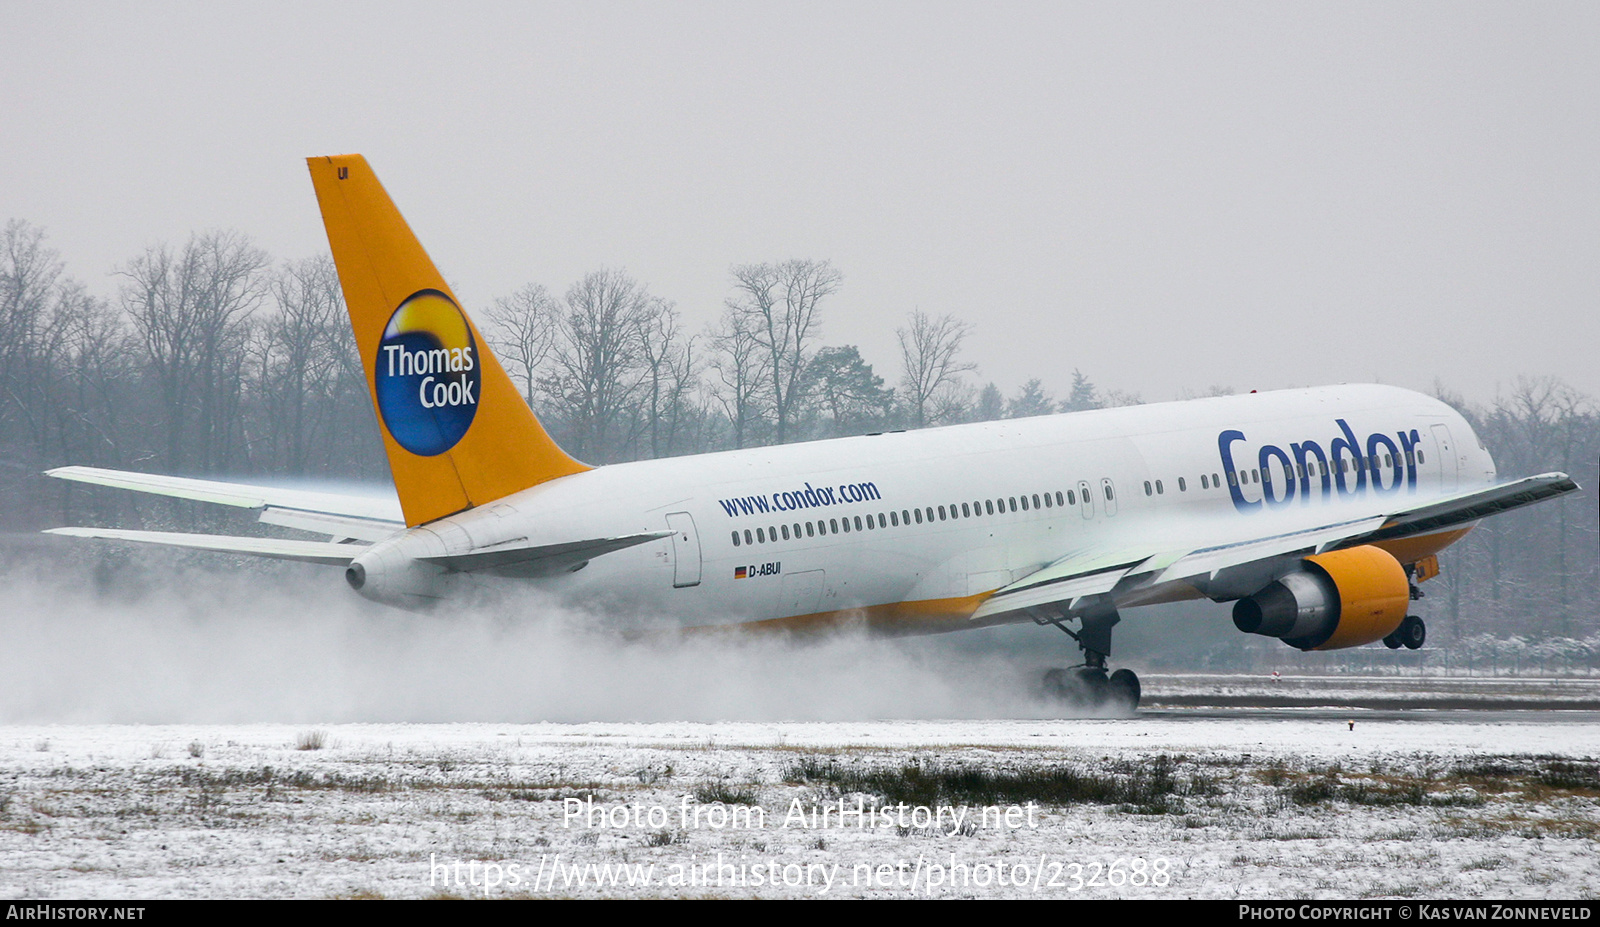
{"x":947,"y":515}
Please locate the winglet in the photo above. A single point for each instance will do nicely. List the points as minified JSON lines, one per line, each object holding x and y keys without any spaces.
{"x":455,"y":427}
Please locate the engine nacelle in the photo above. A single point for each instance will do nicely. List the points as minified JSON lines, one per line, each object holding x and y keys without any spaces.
{"x":388,"y":572}
{"x":1345,"y":598}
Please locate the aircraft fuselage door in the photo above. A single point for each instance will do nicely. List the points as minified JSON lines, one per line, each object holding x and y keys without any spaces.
{"x":1110,"y":492}
{"x":685,"y":550}
{"x":1445,"y":451}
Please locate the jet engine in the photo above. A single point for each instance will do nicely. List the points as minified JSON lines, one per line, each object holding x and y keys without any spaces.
{"x":1344,"y":598}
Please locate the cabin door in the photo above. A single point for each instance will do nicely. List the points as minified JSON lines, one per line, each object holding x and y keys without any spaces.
{"x":1445,"y":451}
{"x":685,"y":550}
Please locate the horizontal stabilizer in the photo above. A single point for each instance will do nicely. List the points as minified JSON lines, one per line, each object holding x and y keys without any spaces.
{"x":304,"y":551}
{"x":241,"y":495}
{"x":518,"y":558}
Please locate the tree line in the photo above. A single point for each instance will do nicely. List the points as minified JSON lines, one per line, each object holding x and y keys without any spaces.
{"x":212,"y":358}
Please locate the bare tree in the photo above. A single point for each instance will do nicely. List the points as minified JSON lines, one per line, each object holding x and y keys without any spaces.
{"x":669,"y":371}
{"x":299,"y":354}
{"x":521,"y":330}
{"x":191,"y":311}
{"x":928,"y":351}
{"x":597,"y":362}
{"x":779,"y":303}
{"x":742,"y":383}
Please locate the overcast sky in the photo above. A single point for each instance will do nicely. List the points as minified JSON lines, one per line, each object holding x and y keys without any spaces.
{"x":1165,"y":196}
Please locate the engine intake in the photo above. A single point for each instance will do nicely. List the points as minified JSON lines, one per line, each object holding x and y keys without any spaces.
{"x":1345,"y":598}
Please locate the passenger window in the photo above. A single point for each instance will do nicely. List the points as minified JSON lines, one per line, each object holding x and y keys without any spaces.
{"x":748,"y":539}
{"x":1147,"y":490}
{"x":1182,"y":486}
{"x":797,"y":532}
{"x":988,"y":507}
{"x":1159,"y":490}
{"x":846,"y":521}
{"x":930,"y":514}
{"x":905,"y":517}
{"x":1024,"y":503}
{"x":918,"y":513}
{"x":858,"y":522}
{"x":786,"y":532}
{"x":1216,"y":482}
{"x":810,"y":529}
{"x":1108,"y":492}
{"x":966,"y":512}
{"x":1231,"y":480}
{"x":1072,"y":497}
{"x":833,"y":525}
{"x":736,"y":539}
{"x":1204,"y":483}
{"x":1255,"y":475}
{"x":1420,"y":459}
{"x":941,"y":513}
{"x":1035,"y":500}
{"x":1059,"y":499}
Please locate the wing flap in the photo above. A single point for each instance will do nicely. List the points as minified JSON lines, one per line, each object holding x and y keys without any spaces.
{"x":1066,"y":580}
{"x":303,"y":551}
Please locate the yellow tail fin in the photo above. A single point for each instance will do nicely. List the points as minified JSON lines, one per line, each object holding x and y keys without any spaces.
{"x":456,"y":429}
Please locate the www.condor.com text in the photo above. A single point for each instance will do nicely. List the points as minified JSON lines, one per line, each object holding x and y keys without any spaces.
{"x":920,"y":875}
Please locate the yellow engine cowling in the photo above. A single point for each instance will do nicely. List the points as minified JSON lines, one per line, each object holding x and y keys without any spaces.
{"x":1345,"y":598}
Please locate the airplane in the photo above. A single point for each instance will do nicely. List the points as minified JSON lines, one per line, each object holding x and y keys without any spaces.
{"x":1317,"y":512}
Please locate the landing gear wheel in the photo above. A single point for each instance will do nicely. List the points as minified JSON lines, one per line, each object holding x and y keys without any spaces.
{"x":1412,"y":632}
{"x":1393,"y":640}
{"x":1123,"y":690}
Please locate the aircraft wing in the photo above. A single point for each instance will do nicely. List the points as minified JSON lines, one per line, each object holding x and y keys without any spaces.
{"x":367,"y":518}
{"x":1077,"y":577}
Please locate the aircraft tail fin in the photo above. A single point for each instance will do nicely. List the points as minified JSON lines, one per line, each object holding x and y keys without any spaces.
{"x":457,"y":431}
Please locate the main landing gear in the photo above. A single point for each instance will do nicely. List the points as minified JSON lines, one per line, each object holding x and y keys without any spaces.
{"x":1411,"y":634}
{"x":1088,"y":687}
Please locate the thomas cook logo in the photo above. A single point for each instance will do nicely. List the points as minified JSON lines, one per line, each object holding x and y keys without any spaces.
{"x":427,"y":374}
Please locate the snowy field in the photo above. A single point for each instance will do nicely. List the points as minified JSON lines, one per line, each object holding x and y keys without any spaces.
{"x":1172,"y":804}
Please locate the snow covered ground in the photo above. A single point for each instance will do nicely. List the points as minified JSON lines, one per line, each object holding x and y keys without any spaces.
{"x":1173,"y":804}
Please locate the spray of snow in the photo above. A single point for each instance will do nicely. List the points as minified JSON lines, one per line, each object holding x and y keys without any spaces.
{"x":158,"y":638}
